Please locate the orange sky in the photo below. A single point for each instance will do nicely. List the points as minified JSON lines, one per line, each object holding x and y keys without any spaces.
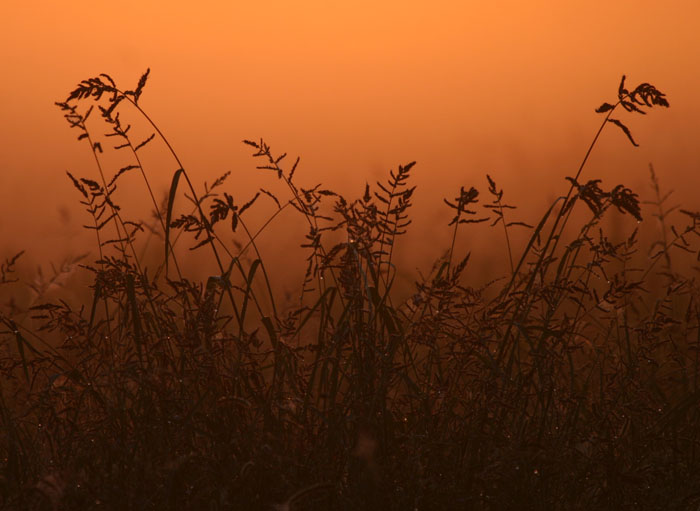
{"x":464,"y":88}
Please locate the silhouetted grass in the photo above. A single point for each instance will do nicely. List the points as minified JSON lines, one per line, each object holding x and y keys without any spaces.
{"x":569,"y":383}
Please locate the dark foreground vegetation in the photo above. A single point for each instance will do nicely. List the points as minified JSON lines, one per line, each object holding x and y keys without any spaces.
{"x":571,"y":382}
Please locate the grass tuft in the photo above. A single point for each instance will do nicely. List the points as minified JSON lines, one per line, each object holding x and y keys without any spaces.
{"x":569,"y":381}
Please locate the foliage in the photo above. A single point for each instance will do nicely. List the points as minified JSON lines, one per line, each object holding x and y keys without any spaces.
{"x":569,"y":384}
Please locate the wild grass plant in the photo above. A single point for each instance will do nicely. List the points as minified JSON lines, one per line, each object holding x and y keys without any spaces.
{"x":570,"y":382}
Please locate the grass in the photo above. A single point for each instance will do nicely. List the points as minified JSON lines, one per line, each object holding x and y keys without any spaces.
{"x":569,"y":382}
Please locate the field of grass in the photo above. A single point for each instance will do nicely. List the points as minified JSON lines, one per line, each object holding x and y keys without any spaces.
{"x":568,"y":382}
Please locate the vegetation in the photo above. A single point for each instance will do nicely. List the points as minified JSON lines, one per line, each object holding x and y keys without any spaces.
{"x":569,"y":383}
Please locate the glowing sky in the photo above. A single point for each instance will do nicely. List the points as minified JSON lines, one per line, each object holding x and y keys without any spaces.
{"x":354,"y":88}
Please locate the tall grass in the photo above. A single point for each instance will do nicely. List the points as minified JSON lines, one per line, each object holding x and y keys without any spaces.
{"x":569,"y":383}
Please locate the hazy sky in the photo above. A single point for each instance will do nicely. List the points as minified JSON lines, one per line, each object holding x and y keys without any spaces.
{"x":354,"y":88}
